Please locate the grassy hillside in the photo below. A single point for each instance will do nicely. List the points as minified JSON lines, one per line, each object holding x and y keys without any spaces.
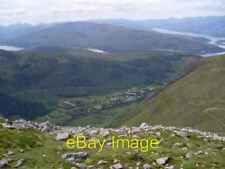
{"x":41,"y":151}
{"x":83,"y":73}
{"x":52,"y":75}
{"x":109,"y":38}
{"x":197,"y":100}
{"x":36,"y":149}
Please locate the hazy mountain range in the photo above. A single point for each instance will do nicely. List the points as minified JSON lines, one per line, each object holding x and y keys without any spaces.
{"x":90,"y":61}
{"x":214,"y":24}
{"x":114,"y":39}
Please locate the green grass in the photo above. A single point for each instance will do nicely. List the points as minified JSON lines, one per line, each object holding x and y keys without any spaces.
{"x":49,"y":77}
{"x":35,"y":145}
{"x":107,"y":118}
{"x":41,"y":151}
{"x":197,"y":100}
{"x":82,"y":111}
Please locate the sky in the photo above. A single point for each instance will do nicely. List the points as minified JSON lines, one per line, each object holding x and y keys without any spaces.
{"x":48,"y":11}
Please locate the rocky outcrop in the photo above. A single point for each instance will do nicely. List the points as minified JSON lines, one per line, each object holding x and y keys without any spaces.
{"x":162,"y":161}
{"x":74,"y":158}
{"x":62,"y":136}
{"x":117,"y":166}
{"x":183,"y":136}
{"x":24,"y":124}
{"x":63,"y":133}
{"x":19,"y":163}
{"x":4,"y":163}
{"x":147,"y":166}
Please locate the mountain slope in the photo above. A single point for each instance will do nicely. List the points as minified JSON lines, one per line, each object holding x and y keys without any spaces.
{"x":41,"y":70}
{"x":193,"y":25}
{"x":47,"y":76}
{"x":109,"y":38}
{"x":27,"y":147}
{"x":197,"y":100}
{"x":12,"y":31}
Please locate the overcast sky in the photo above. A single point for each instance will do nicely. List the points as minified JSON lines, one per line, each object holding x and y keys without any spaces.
{"x":42,"y":11}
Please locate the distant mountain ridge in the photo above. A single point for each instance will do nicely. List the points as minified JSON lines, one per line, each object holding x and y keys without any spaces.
{"x":212,"y":25}
{"x":12,"y":31}
{"x":59,"y":64}
{"x":109,"y":38}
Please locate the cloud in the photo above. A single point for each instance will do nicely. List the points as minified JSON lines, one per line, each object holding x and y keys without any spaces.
{"x":33,"y":11}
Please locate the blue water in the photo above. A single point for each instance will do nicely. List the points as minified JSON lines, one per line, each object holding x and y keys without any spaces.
{"x":10,"y":48}
{"x":211,"y":40}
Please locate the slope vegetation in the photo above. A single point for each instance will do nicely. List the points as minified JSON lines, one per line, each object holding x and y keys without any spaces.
{"x":26,"y":148}
{"x":49,"y":74}
{"x":197,"y":100}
